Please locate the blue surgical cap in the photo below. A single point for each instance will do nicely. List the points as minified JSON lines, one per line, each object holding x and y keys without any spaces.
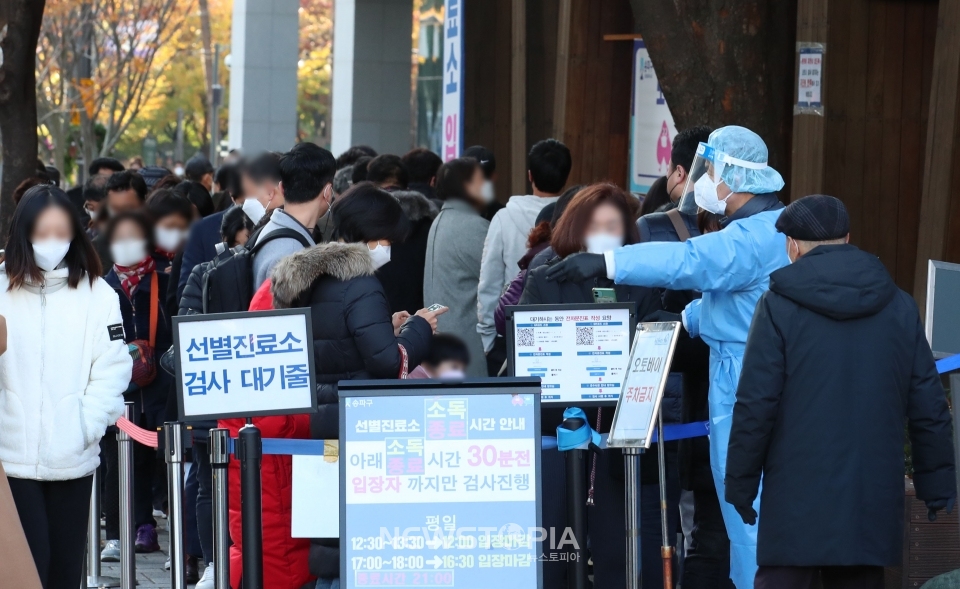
{"x":744,"y":144}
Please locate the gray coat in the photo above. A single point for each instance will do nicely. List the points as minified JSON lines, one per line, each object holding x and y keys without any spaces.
{"x":452,"y":273}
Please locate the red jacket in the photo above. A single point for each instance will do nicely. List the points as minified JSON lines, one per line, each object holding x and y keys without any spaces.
{"x":284,"y":558}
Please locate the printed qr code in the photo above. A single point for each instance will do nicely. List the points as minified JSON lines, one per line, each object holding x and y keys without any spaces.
{"x":525,"y":337}
{"x":584,"y":336}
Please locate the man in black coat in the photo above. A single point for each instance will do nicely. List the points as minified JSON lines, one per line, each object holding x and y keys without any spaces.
{"x":836,"y":362}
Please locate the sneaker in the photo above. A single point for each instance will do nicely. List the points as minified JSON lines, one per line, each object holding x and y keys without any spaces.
{"x":159,"y":514}
{"x":207,"y":580}
{"x":111,"y":551}
{"x":146,"y":539}
{"x":167,"y":565}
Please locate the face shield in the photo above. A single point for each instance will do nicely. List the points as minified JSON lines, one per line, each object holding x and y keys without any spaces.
{"x":709,"y":170}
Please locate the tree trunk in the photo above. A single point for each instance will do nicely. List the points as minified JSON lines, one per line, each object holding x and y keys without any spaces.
{"x":18,"y":98}
{"x":726,"y":65}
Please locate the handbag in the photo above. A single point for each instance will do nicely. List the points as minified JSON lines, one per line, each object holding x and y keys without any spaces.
{"x":404,"y":363}
{"x":142,"y":351}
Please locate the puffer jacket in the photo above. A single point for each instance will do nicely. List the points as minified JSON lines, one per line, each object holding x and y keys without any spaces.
{"x":353,"y":338}
{"x":62,"y":377}
{"x":284,"y":557}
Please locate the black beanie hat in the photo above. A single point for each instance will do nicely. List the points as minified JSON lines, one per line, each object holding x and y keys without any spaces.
{"x":815,"y":218}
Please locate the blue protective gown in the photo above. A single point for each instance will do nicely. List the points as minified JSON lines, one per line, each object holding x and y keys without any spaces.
{"x":732,"y":268}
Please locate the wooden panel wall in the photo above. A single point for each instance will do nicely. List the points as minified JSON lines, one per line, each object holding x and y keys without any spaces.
{"x":597,"y":117}
{"x":487,"y":83}
{"x":878,"y":70}
{"x":597,"y":120}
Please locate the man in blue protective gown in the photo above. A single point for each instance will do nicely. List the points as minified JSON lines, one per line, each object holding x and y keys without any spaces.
{"x":731,"y":267}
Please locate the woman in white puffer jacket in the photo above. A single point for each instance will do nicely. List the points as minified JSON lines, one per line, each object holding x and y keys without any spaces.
{"x":61,"y":380}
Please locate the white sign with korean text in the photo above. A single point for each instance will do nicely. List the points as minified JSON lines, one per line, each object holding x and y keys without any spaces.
{"x":452,"y":79}
{"x":639,"y":403}
{"x":651,"y":125}
{"x":810,"y":76}
{"x":244,"y":364}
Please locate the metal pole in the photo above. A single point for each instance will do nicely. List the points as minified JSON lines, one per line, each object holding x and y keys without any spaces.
{"x":173,"y":437}
{"x":631,"y":459}
{"x":666,"y":550}
{"x":127,"y":552}
{"x":576,"y":508}
{"x":94,"y":579}
{"x":219,"y":459}
{"x":250,"y":453}
{"x":216,"y":97}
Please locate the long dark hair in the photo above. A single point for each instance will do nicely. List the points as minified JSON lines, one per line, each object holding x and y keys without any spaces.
{"x":367,"y":213}
{"x":81,"y":258}
{"x":453,"y":176}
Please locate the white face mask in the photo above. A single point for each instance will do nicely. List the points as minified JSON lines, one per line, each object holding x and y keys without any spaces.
{"x":50,"y":252}
{"x":706,"y":196}
{"x":253,"y":209}
{"x":601,"y":243}
{"x":452,"y":375}
{"x":487,"y":192}
{"x":380,"y":256}
{"x":178,"y":171}
{"x":128,"y":252}
{"x":169,"y":239}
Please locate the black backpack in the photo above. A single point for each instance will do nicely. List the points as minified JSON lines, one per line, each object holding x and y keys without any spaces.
{"x":228,"y":283}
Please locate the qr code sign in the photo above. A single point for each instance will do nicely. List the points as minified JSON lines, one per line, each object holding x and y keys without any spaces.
{"x":525,"y":337}
{"x":584,"y":336}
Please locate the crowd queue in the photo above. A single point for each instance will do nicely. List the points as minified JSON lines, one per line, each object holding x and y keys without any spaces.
{"x":798,"y":348}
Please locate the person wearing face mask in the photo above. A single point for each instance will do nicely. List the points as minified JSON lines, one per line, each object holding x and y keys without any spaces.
{"x":488,"y":163}
{"x":447,"y":359}
{"x":355,"y":336}
{"x":172,"y":214}
{"x":140,"y":288}
{"x":62,"y":378}
{"x":835,"y":364}
{"x":260,"y":178}
{"x":452,"y":263}
{"x":306,"y":177}
{"x":731,"y":267}
{"x":597,"y":220}
{"x":125,"y":191}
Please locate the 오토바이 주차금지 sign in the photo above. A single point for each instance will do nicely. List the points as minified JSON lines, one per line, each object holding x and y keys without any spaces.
{"x":244,"y":364}
{"x":440,"y":484}
{"x":642,"y":392}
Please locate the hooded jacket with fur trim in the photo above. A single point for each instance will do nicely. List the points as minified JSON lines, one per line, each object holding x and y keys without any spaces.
{"x":62,"y":377}
{"x":352,"y":325}
{"x":353,"y":338}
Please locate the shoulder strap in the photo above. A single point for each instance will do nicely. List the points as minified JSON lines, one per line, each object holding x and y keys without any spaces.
{"x":282,"y":233}
{"x":682,"y":232}
{"x":154,"y":307}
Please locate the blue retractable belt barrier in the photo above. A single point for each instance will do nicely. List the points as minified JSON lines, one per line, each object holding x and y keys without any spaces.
{"x":293,"y":447}
{"x":948,"y":364}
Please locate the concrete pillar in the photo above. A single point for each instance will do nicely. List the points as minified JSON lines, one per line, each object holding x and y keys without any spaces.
{"x":263,"y":74}
{"x":372,"y":75}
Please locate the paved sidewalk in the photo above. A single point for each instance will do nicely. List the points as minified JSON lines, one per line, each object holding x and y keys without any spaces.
{"x":150,"y":571}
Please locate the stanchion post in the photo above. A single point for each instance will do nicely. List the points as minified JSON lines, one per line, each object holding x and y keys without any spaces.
{"x":94,"y":579}
{"x":577,"y":516}
{"x":173,"y":437}
{"x":219,"y":461}
{"x":250,"y":453}
{"x":631,"y":459}
{"x":125,"y":471}
{"x":666,"y":550}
